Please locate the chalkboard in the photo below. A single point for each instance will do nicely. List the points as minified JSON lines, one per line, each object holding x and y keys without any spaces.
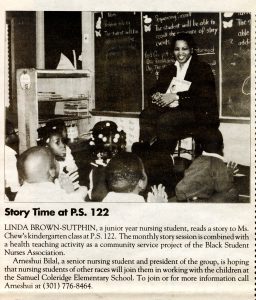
{"x":160,"y":28}
{"x":118,"y":81}
{"x":236,"y":62}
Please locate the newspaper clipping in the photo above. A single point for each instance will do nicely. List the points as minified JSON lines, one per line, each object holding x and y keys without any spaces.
{"x":128,"y":150}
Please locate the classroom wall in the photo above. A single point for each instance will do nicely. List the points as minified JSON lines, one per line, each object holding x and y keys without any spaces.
{"x":129,"y":125}
{"x":237,"y":146}
{"x":236,"y":137}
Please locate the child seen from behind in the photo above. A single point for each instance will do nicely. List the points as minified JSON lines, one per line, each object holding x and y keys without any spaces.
{"x":38,"y":168}
{"x":209,"y":179}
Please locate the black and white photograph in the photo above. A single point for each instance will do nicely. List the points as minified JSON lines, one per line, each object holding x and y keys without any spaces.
{"x":164,"y":96}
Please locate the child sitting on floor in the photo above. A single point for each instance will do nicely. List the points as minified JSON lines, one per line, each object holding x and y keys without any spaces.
{"x":126,"y":178}
{"x":106,"y":141}
{"x":38,"y":168}
{"x":53,"y":136}
{"x":209,"y":179}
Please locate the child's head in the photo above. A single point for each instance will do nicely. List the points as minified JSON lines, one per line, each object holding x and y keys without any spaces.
{"x":107,"y":139}
{"x":58,"y":125}
{"x":37,"y":164}
{"x":125,"y":174}
{"x":212,"y":141}
{"x":51,"y":137}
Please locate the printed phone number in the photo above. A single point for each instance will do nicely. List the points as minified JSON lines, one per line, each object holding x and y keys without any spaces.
{"x":66,"y":286}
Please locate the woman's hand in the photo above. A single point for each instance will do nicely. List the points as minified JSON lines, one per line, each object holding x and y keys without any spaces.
{"x":156,"y":97}
{"x":164,"y":100}
{"x":175,"y":103}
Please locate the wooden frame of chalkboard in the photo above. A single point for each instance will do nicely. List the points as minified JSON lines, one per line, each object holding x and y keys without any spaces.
{"x":132,"y":47}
